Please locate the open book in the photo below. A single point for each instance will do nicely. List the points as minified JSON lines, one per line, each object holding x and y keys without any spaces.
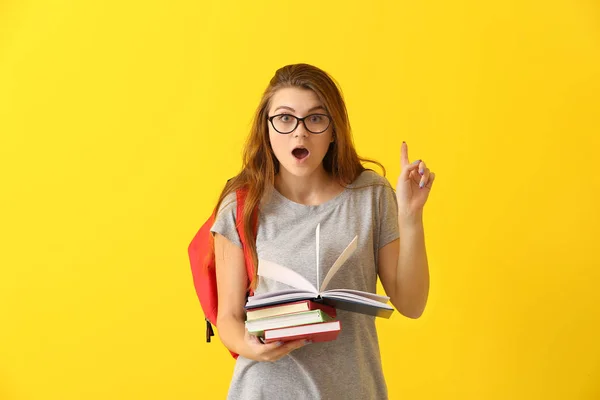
{"x":343,"y":299}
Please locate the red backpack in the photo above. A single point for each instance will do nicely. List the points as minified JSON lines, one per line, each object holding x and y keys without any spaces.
{"x":202,"y":261}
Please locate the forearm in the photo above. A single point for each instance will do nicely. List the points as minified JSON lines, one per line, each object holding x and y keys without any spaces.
{"x":412,"y":279}
{"x":231,"y":331}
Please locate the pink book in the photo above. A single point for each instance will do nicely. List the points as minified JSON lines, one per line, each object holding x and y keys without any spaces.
{"x":321,"y":332}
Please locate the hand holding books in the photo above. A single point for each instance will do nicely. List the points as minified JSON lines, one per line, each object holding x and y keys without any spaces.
{"x":271,"y":351}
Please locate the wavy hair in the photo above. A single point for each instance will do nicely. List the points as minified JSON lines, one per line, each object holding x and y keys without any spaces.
{"x":259,"y":162}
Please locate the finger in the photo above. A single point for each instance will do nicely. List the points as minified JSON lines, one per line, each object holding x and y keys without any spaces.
{"x":424,"y":178}
{"x":276,"y":353}
{"x":418,"y":174}
{"x":270,"y":347}
{"x":422,"y":167}
{"x":292,"y":345}
{"x":253,"y":339}
{"x":415,"y":176}
{"x":407,"y":169}
{"x":431,"y":179}
{"x":404,"y":154}
{"x":259,"y":345}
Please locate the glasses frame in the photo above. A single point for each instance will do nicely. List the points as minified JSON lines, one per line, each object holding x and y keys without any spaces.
{"x":298,"y":120}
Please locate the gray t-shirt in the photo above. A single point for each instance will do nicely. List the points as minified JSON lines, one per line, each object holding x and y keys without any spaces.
{"x":350,"y":366}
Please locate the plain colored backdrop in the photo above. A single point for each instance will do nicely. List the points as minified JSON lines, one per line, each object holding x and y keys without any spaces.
{"x":121,"y":120}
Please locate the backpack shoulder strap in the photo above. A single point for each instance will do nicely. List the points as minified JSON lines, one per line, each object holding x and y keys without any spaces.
{"x":241,"y":201}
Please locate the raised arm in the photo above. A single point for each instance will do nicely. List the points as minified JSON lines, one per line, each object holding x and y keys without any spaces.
{"x":403,"y":266}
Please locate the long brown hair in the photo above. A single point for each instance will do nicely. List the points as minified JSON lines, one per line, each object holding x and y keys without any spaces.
{"x":259,"y":162}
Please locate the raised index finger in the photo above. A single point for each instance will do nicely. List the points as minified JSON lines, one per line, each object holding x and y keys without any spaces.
{"x":404,"y":155}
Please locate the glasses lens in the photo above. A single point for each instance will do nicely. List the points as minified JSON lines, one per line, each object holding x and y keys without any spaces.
{"x":284,"y":123}
{"x":317,"y":123}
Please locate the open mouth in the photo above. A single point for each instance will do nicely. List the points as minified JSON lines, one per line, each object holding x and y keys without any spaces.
{"x":300,"y":153}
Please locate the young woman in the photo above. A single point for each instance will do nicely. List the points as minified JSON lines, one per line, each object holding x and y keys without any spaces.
{"x":301,"y":169}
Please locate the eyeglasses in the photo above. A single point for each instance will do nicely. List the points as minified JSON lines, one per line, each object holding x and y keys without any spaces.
{"x":287,"y":123}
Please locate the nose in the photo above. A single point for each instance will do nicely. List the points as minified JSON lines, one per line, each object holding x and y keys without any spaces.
{"x":301,"y":130}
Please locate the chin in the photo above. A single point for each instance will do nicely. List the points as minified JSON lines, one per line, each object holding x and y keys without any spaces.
{"x":299,"y":172}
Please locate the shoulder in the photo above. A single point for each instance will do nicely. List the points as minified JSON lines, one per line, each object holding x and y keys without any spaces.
{"x":229,"y":204}
{"x":372,"y":188}
{"x":370,"y":178}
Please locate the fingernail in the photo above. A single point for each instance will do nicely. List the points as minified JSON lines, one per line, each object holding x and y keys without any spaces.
{"x":421,"y":172}
{"x":416,"y":161}
{"x":279,"y":344}
{"x":421,"y":185}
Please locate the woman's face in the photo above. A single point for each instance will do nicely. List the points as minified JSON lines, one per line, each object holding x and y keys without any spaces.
{"x":301,"y":151}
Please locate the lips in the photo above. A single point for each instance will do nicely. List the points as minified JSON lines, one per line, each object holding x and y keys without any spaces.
{"x":300,"y":152}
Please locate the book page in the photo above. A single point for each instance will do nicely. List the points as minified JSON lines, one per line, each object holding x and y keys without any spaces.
{"x":373,"y":296}
{"x":317,"y":251}
{"x":339,"y":262}
{"x":275,"y":298}
{"x":283,"y":292}
{"x":355,"y":298}
{"x":285,"y":275}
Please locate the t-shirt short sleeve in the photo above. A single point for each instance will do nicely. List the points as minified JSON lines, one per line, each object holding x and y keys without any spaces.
{"x":225,"y":220}
{"x":388,"y":216}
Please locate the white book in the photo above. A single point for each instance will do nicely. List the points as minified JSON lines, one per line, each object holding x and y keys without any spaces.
{"x":302,"y":289}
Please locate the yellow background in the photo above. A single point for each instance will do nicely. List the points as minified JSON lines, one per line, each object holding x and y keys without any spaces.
{"x":120,"y":121}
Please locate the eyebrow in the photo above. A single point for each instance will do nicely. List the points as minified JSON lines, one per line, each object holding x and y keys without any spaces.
{"x":292,"y":110}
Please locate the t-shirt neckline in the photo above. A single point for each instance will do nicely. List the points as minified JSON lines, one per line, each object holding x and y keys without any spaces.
{"x":334,"y":201}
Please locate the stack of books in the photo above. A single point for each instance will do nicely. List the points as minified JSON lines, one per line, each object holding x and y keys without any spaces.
{"x":303,"y":319}
{"x":303,"y":311}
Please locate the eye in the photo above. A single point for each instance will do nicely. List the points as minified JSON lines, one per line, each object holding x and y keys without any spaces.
{"x":316,"y":118}
{"x":284,"y":118}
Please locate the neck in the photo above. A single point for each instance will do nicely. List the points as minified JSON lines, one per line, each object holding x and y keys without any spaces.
{"x":309,"y":190}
